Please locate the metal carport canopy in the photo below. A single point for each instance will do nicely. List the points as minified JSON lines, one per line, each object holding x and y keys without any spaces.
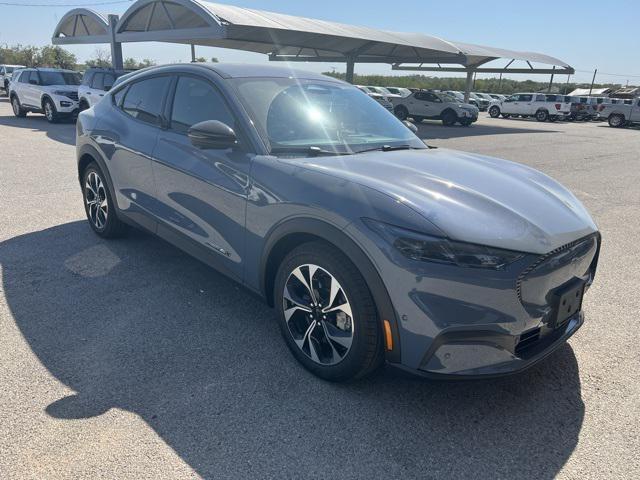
{"x":290,"y":38}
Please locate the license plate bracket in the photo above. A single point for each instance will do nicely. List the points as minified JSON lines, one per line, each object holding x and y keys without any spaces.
{"x":568,"y":302}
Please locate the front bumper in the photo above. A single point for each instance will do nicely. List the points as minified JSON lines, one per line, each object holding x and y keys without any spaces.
{"x":457,"y":322}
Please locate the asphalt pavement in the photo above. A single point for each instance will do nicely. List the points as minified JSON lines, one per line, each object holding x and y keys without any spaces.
{"x":129,"y":359}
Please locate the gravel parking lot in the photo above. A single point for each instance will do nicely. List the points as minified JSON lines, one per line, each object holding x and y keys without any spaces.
{"x":129,"y":359}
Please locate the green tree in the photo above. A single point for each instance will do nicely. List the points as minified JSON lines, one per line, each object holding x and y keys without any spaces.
{"x":132,"y":64}
{"x":101,"y":59}
{"x":56,"y":56}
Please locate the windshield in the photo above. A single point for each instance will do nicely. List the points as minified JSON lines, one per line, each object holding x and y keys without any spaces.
{"x":295,"y":114}
{"x":448,"y":98}
{"x":9,"y":69}
{"x":59,"y":78}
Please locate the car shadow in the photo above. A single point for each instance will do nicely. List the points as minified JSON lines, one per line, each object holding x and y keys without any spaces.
{"x":138,"y":325}
{"x":63,"y":132}
{"x":429,"y":129}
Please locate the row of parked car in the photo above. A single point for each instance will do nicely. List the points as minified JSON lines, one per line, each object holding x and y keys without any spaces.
{"x":57,"y":93}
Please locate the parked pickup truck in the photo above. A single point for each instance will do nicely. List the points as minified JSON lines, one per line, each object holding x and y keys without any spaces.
{"x":620,"y":114}
{"x":529,"y":105}
{"x":433,"y":105}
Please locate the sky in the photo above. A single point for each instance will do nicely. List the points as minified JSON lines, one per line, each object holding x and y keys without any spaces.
{"x":584,"y":33}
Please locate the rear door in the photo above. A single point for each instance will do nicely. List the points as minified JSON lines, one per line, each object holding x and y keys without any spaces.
{"x":635,"y":111}
{"x":526,"y":104}
{"x":30,"y":89}
{"x":128,"y":138}
{"x":95,"y":89}
{"x":204,"y":192}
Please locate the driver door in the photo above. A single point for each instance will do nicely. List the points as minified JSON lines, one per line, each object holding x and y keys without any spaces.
{"x":203,"y":191}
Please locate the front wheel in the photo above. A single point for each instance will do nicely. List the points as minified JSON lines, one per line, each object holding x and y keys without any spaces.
{"x":83,"y":105}
{"x":401,"y":112}
{"x":466,"y":122}
{"x":98,"y":204}
{"x":449,"y":118}
{"x":494,"y":111}
{"x":327,"y":314}
{"x":50,"y":112}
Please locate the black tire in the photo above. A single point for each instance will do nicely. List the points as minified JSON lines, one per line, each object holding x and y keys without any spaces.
{"x":506,"y":115}
{"x":366,"y":353}
{"x":466,"y":122}
{"x":113,"y":227}
{"x":50,"y":112}
{"x":401,"y":112}
{"x":494,"y":111}
{"x":616,"y":120}
{"x":18,"y":111}
{"x":449,"y":118}
{"x":83,"y":105}
{"x":542,"y":115}
{"x":553,"y":118}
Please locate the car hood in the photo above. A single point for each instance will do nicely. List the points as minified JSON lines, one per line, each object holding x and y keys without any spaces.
{"x":471,"y":197}
{"x":65,"y":88}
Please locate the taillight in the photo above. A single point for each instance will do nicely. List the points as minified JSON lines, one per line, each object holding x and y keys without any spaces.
{"x":558,"y":106}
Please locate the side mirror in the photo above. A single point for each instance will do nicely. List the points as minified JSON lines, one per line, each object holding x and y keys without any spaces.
{"x":410,"y":126}
{"x":212,"y":134}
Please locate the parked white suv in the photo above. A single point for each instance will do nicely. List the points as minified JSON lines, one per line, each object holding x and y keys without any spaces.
{"x":95,"y":83}
{"x":425,"y":104}
{"x":536,"y":105}
{"x":6,"y":71}
{"x":51,"y":91}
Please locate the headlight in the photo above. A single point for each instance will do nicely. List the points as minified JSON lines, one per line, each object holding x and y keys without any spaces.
{"x":427,"y":248}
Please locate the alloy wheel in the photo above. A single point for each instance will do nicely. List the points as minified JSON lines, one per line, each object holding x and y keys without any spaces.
{"x":318,"y":314}
{"x":16,"y":106}
{"x":48,"y":111}
{"x":96,"y":199}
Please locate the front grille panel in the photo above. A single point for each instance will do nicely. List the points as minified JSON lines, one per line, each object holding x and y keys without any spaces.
{"x":73,"y":96}
{"x":548,"y":256}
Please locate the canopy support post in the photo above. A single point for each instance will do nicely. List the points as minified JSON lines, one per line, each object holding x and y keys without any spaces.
{"x":351,"y":61}
{"x":593,"y":80}
{"x":193,"y":53}
{"x":467,"y":89}
{"x":551,"y":81}
{"x":116,"y":47}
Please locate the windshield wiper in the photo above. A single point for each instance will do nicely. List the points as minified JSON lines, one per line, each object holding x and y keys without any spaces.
{"x":312,"y":151}
{"x":388,"y":148}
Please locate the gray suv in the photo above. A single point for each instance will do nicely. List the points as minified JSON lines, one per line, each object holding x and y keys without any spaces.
{"x":371,"y":246}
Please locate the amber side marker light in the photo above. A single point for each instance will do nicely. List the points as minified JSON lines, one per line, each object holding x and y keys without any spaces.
{"x":387,"y":335}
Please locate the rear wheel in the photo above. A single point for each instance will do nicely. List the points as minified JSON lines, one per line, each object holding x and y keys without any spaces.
{"x":542,"y":115}
{"x":18,"y":111}
{"x":494,"y":111}
{"x":98,"y":204}
{"x":616,"y":120}
{"x":449,"y":118}
{"x":327,"y":314}
{"x":401,"y":112}
{"x":50,"y":111}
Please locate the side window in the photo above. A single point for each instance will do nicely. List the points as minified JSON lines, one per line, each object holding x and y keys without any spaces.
{"x":540,"y":98}
{"x":421,"y":96}
{"x":97,"y":81}
{"x":430,"y":97}
{"x":118,"y":96}
{"x":108,"y":82}
{"x":526,"y":98}
{"x":144,"y":99}
{"x":88,"y":77}
{"x":195,"y":101}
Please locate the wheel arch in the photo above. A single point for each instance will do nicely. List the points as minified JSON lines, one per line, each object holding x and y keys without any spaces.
{"x":88,"y":154}
{"x":294,"y":232}
{"x":44,"y":98}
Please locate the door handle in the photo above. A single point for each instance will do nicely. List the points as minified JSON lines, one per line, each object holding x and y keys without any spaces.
{"x":88,"y":93}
